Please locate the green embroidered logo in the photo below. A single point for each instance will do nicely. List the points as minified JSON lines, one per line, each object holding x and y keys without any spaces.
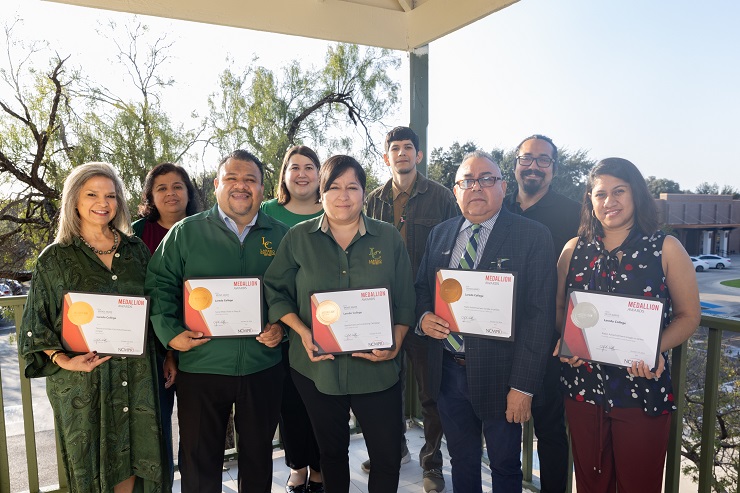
{"x":375,"y":257}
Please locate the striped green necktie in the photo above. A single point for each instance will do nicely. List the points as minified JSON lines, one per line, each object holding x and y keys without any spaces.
{"x":454,"y":341}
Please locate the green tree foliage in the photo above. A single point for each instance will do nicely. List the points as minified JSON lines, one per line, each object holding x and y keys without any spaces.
{"x":570,"y":179}
{"x":328,"y":108}
{"x":661,"y":185}
{"x":135,"y":134}
{"x":707,"y":188}
{"x":730,"y":190}
{"x":34,"y":155}
{"x":443,"y":163}
{"x":727,"y":428}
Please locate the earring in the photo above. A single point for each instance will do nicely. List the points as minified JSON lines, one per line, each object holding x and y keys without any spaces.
{"x":593,"y":214}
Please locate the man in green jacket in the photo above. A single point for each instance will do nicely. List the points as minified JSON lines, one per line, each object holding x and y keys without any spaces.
{"x":231,"y":240}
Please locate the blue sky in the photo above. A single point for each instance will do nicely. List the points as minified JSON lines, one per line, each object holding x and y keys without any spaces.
{"x":654,"y":82}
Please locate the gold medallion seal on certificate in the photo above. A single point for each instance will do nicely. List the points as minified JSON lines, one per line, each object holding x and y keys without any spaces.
{"x":328,"y":312}
{"x":450,"y":290}
{"x":223,"y":306}
{"x":80,"y":313}
{"x":477,"y":303}
{"x":200,"y":299}
{"x":111,"y":324}
{"x":612,"y":329}
{"x":352,"y":321}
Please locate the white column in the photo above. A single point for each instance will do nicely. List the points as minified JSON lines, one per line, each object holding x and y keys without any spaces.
{"x":706,"y":242}
{"x":725,"y":242}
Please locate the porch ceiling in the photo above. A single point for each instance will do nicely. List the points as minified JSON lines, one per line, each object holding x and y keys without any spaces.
{"x":397,"y":24}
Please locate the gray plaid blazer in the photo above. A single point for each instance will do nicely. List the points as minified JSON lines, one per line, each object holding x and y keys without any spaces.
{"x":493,"y":366}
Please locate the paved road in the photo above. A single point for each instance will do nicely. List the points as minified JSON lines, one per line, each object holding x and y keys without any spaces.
{"x":711,"y":292}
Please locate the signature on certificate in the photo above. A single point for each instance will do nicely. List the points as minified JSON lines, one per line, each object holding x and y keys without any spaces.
{"x":605,"y":347}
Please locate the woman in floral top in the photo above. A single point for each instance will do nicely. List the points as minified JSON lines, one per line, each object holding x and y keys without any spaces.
{"x":619,"y":417}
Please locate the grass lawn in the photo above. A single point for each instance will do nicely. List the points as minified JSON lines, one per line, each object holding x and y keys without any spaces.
{"x":733,"y":283}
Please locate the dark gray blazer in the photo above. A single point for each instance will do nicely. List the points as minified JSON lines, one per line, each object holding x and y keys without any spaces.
{"x":494,"y":366}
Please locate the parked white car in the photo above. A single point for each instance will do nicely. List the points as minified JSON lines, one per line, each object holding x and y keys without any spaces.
{"x":699,"y":265}
{"x":715,"y":261}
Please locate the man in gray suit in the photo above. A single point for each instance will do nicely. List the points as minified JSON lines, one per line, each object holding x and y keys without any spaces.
{"x":483,"y":384}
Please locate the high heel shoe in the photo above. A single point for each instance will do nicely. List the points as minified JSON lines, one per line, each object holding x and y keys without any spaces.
{"x":314,"y":487}
{"x":301,"y":488}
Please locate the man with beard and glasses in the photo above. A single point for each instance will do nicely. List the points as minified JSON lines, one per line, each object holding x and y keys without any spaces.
{"x":536,"y":163}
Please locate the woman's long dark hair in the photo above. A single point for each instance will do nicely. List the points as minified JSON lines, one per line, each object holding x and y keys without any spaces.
{"x":645,"y":212}
{"x":147,"y":208}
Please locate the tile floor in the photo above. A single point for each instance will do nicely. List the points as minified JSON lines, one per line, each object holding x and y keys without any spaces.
{"x":410,"y":480}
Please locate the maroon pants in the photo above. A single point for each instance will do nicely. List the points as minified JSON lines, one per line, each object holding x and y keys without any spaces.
{"x":624,"y":449}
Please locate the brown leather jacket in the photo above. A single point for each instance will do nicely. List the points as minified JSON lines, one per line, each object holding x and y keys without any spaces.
{"x":430,"y":205}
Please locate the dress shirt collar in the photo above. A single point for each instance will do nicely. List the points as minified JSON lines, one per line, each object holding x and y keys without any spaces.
{"x":487,"y":224}
{"x":233,"y":226}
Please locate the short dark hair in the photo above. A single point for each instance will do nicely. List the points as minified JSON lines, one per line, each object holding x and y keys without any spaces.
{"x":242,"y":155}
{"x":283,"y":195}
{"x":147,"y":208}
{"x":336,"y":166}
{"x":645,"y":212}
{"x":549,"y":141}
{"x":401,"y":133}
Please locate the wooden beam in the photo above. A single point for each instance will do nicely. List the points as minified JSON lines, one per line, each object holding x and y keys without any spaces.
{"x":405,"y":5}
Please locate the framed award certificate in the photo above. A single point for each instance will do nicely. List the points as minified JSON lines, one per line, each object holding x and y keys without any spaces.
{"x":111,"y":324}
{"x":352,"y":321}
{"x":612,"y":329}
{"x":477,"y":303}
{"x":223,"y":306}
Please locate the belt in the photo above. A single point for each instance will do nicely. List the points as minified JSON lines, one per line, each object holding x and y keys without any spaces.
{"x":457,"y":358}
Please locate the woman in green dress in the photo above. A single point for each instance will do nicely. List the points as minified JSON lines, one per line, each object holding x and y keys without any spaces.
{"x":105,"y":408}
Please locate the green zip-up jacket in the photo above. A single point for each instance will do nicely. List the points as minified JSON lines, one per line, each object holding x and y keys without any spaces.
{"x":202,"y":246}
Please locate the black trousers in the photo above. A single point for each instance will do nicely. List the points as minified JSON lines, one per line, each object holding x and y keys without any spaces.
{"x":296,"y":433}
{"x":549,"y":426}
{"x":377,"y":412}
{"x":204,"y":403}
{"x":430,"y":455}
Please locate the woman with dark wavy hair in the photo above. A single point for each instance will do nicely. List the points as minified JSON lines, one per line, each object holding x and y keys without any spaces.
{"x":619,"y":417}
{"x":168,"y":197}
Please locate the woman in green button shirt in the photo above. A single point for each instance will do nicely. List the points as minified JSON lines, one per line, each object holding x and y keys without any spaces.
{"x":344,"y":249}
{"x":105,"y":409}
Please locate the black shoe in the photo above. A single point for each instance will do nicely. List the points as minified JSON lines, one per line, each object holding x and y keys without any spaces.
{"x":314,"y":487}
{"x":301,"y":488}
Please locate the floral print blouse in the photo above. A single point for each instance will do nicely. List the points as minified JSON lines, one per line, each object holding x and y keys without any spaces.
{"x":640,"y":273}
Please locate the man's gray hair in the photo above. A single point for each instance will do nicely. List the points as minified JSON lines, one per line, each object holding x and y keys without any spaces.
{"x":478,"y":154}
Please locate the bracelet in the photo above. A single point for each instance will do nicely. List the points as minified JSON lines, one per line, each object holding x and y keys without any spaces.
{"x":53,"y":356}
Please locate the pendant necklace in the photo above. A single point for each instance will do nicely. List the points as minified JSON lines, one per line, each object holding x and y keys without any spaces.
{"x":103,"y":252}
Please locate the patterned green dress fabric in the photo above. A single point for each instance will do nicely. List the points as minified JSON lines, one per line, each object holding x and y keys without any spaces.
{"x":108,"y":419}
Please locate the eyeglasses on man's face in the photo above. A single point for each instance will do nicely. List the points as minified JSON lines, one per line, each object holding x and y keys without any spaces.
{"x":483,"y":181}
{"x":542,"y":161}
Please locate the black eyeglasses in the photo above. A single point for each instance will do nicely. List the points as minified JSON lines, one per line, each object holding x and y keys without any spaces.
{"x":542,"y":161}
{"x":483,"y":181}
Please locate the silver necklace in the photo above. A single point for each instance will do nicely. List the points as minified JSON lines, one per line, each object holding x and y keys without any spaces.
{"x":103,"y":252}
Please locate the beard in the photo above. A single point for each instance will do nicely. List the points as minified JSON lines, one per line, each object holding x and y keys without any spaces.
{"x":531,"y":187}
